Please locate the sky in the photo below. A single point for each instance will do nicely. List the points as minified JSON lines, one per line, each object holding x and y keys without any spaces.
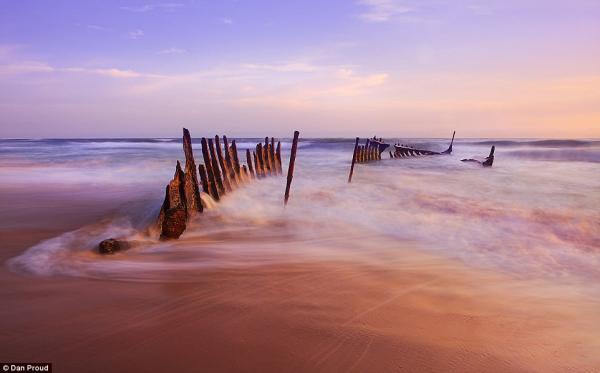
{"x":497,"y":68}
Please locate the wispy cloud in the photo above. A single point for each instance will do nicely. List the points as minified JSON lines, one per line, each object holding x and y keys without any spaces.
{"x":135,"y":34}
{"x":155,"y":6}
{"x":481,"y":9}
{"x":9,"y":50}
{"x":382,"y":10}
{"x":38,"y":67}
{"x":283,"y":67}
{"x":172,"y":50}
{"x":96,"y":27}
{"x":226,"y":21}
{"x":24,"y":68}
{"x":352,"y":84}
{"x":112,"y":72}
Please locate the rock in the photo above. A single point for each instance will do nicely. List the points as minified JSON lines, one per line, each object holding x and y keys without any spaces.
{"x":191,"y":189}
{"x":173,"y":213}
{"x":111,"y":246}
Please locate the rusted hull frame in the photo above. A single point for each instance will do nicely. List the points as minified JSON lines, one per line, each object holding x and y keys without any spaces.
{"x":401,"y":151}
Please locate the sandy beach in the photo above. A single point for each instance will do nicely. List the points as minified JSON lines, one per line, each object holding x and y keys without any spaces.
{"x":424,"y":313}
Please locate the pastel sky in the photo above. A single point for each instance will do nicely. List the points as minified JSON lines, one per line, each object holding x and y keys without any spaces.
{"x":498,"y":68}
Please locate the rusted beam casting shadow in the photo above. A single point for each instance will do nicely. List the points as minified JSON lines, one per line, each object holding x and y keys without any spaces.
{"x":290,"y":174}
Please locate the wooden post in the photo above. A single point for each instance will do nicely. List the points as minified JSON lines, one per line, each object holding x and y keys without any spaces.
{"x":290,"y":173}
{"x":353,"y":160}
{"x":256,"y":165}
{"x":224,"y":168}
{"x":215,"y":166}
{"x":214,"y":193}
{"x":261,"y":164}
{"x":272,"y":156}
{"x":236,"y":160}
{"x":245,"y":175}
{"x":203,"y":178}
{"x":266,"y":162}
{"x":278,"y":157}
{"x":229,"y":162}
{"x":249,"y":162}
{"x":272,"y":159}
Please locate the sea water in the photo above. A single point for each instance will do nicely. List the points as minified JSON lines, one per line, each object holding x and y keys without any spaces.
{"x":535,"y":213}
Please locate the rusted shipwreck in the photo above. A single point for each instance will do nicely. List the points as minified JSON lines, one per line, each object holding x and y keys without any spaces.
{"x":487,"y":162}
{"x":221,"y":173}
{"x":371,"y":151}
{"x":403,"y":151}
{"x":377,"y":143}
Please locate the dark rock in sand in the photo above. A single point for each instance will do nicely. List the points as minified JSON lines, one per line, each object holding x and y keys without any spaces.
{"x":191,"y":189}
{"x":173,"y":213}
{"x":111,"y":246}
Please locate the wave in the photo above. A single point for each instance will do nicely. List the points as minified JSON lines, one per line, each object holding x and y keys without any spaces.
{"x":536,"y":143}
{"x":557,"y":155}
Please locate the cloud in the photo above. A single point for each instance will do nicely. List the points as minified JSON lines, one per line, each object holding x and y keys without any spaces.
{"x":112,"y":72}
{"x":284,"y":67}
{"x":326,"y":87}
{"x":480,"y":9}
{"x":226,"y":21}
{"x":24,"y":68}
{"x":135,"y":34}
{"x":382,"y":10}
{"x":36,"y":67}
{"x":9,"y":50}
{"x":273,"y":91}
{"x":149,"y":7}
{"x":352,"y":84}
{"x":96,"y":27}
{"x":172,"y":50}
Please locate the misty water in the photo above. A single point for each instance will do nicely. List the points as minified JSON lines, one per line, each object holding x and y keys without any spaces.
{"x":534,"y":214}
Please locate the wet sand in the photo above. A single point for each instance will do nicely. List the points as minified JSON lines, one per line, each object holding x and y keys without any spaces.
{"x":424,"y":313}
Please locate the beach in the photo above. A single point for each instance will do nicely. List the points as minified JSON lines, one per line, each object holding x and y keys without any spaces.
{"x":418,"y":265}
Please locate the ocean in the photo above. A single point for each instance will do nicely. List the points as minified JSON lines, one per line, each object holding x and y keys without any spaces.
{"x":534,"y":214}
